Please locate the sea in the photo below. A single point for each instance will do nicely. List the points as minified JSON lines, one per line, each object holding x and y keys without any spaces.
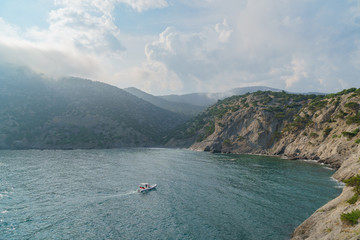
{"x":91,"y":194}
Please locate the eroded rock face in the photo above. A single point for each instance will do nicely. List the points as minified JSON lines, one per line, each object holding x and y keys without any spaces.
{"x":325,"y":223}
{"x":318,"y":135}
{"x":329,"y":133}
{"x":247,"y":130}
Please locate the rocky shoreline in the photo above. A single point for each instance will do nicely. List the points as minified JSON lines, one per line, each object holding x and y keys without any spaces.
{"x":325,"y":223}
{"x":319,"y":130}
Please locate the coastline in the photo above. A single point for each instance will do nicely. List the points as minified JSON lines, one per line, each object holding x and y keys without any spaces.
{"x":325,"y":222}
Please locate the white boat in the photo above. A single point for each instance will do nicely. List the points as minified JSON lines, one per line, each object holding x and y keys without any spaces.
{"x":144,"y":187}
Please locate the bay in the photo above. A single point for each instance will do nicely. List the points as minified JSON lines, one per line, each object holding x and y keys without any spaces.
{"x":91,"y":194}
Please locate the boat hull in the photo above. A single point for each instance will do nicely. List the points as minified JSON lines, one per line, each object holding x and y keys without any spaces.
{"x":152,"y":187}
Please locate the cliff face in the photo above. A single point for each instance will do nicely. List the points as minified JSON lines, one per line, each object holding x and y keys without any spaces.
{"x":329,"y":136}
{"x":323,"y":128}
{"x":326,"y":223}
{"x":250,"y":123}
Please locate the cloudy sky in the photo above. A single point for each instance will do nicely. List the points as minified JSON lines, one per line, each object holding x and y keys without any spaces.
{"x":183,"y":46}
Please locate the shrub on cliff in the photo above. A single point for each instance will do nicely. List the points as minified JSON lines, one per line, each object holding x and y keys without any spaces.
{"x":298,"y":123}
{"x":353,"y":119}
{"x":314,"y":135}
{"x":317,"y":105}
{"x":327,"y":131}
{"x":352,"y":134}
{"x":353,"y":106}
{"x":351,"y":217}
{"x":354,"y":182}
{"x":353,"y":199}
{"x":227,"y":142}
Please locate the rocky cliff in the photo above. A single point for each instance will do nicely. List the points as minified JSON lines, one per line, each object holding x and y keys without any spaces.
{"x":323,"y":128}
{"x":326,"y":222}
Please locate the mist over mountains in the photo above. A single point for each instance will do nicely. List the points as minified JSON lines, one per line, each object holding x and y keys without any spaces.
{"x":38,"y":112}
{"x":207,"y":99}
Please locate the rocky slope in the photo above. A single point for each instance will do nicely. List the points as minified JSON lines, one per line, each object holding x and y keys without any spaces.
{"x":326,"y":222}
{"x":323,"y":128}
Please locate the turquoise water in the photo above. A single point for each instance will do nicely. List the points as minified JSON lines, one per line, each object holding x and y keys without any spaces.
{"x":90,"y":194}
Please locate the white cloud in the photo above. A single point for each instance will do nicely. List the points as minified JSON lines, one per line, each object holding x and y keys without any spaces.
{"x":298,"y":68}
{"x":193,"y":57}
{"x":152,"y":76}
{"x":283,"y":44}
{"x":88,"y":25}
{"x":298,"y":45}
{"x":224,"y":31}
{"x":143,"y":5}
{"x":81,"y":37}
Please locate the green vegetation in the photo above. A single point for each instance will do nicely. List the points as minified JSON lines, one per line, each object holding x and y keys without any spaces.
{"x":314,"y":135}
{"x":227,"y":142}
{"x":351,"y":218}
{"x":295,"y":110}
{"x":353,"y":119}
{"x":357,"y":141}
{"x":353,"y":199}
{"x":280,"y":115}
{"x":240,"y":138}
{"x":354,"y":182}
{"x":343,"y":92}
{"x":341,"y":114}
{"x":317,"y":104}
{"x":327,"y":131}
{"x":352,"y":134}
{"x":219,"y":111}
{"x":298,"y":124}
{"x":352,"y":106}
{"x":207,"y":131}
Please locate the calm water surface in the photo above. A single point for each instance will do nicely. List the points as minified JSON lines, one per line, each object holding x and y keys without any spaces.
{"x":90,"y":194}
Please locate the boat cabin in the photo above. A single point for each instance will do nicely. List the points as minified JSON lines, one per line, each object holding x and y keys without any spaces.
{"x":144,"y":185}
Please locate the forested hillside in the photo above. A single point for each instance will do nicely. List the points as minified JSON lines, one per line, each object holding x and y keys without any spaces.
{"x":36,"y":112}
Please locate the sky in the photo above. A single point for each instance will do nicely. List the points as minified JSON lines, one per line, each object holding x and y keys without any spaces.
{"x":184,"y":46}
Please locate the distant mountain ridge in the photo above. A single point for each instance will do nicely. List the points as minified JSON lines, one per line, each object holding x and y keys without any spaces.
{"x":36,"y":112}
{"x":207,"y":99}
{"x":178,"y":107}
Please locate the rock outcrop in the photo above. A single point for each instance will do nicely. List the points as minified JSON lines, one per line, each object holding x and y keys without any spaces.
{"x":322,"y":128}
{"x":325,"y":223}
{"x":317,"y":129}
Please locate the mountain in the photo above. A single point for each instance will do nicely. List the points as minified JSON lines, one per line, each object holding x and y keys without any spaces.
{"x":36,"y":112}
{"x":178,"y":107}
{"x":325,"y":128}
{"x":207,"y":99}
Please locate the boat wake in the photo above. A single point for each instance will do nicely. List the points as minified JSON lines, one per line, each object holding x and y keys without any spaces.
{"x":121,"y":194}
{"x":127,"y":193}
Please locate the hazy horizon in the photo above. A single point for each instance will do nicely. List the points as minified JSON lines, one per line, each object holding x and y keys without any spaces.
{"x":179,"y":47}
